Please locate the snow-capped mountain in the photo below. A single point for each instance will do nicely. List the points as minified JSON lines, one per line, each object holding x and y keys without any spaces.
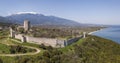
{"x":40,"y":19}
{"x":25,"y":13}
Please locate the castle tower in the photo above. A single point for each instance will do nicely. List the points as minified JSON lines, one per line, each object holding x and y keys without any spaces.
{"x":12,"y":33}
{"x":26,"y":25}
{"x":84,"y":34}
{"x":23,"y":38}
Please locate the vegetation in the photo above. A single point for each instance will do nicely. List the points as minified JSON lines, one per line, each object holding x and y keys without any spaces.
{"x":5,"y":24}
{"x":4,"y":49}
{"x":88,"y":50}
{"x":93,"y":50}
{"x":56,"y":32}
{"x":20,"y":49}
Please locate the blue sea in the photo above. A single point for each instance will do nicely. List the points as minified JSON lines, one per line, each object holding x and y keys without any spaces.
{"x":112,"y":33}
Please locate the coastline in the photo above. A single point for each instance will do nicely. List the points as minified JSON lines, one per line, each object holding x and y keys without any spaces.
{"x":90,"y":33}
{"x":110,"y":35}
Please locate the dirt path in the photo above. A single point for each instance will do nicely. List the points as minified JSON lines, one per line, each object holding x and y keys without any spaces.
{"x":32,"y":53}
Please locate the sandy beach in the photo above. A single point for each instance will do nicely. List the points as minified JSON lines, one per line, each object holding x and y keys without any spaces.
{"x":94,"y":31}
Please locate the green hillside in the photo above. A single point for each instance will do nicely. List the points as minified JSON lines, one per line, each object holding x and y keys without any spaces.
{"x":88,"y":50}
{"x":92,"y":50}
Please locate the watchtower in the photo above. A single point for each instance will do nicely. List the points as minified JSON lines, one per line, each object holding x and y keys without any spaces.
{"x":84,"y":34}
{"x":26,"y":25}
{"x":12,"y":33}
{"x":23,"y":38}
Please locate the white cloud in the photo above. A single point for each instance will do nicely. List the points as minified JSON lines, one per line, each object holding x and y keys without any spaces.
{"x":26,"y":12}
{"x":22,"y":13}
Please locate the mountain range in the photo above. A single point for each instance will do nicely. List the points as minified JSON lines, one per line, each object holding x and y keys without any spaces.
{"x":40,"y":19}
{"x":4,"y":20}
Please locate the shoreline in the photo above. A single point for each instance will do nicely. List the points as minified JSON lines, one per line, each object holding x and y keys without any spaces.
{"x":90,"y":33}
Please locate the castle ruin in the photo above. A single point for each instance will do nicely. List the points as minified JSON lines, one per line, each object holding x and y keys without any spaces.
{"x":54,"y":42}
{"x":84,"y":34}
{"x":26,"y":25}
{"x":12,"y":33}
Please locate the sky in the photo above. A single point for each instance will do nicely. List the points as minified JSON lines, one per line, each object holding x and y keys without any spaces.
{"x":83,"y":11}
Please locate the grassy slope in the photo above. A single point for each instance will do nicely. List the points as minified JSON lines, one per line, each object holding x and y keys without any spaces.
{"x":14,"y":59}
{"x":4,"y":49}
{"x":92,"y":50}
{"x":70,"y":47}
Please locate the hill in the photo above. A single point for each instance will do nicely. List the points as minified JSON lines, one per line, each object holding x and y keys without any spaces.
{"x":91,"y":49}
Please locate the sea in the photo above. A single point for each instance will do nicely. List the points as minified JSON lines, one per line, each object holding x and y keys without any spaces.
{"x":112,"y":33}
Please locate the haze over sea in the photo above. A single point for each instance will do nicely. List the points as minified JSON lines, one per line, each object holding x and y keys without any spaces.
{"x":112,"y":33}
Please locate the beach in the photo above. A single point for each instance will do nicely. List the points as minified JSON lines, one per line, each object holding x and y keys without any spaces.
{"x":94,"y":31}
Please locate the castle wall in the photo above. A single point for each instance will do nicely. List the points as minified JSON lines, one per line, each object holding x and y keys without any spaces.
{"x":45,"y":41}
{"x":72,"y":40}
{"x":18,"y":36}
{"x":60,"y":43}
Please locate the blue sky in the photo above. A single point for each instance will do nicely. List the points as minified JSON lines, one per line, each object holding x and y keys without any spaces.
{"x":83,"y":11}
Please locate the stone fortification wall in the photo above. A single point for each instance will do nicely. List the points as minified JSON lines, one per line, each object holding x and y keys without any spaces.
{"x":72,"y":40}
{"x":61,"y":43}
{"x":18,"y":36}
{"x":45,"y":41}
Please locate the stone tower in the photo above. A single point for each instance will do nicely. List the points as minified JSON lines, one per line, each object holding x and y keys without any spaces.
{"x":12,"y":33}
{"x":26,"y":25}
{"x":84,"y":34}
{"x":23,"y":38}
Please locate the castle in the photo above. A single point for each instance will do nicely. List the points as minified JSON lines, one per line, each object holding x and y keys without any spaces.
{"x":54,"y":42}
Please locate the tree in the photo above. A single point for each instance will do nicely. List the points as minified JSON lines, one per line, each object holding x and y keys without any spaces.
{"x":1,"y":61}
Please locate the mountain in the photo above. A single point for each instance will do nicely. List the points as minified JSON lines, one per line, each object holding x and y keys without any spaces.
{"x":4,"y":21}
{"x":40,"y":19}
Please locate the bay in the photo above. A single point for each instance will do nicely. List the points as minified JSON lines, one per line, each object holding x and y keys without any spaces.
{"x":112,"y":33}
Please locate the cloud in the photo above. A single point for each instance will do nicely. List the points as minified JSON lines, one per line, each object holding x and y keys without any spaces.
{"x":27,"y":12}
